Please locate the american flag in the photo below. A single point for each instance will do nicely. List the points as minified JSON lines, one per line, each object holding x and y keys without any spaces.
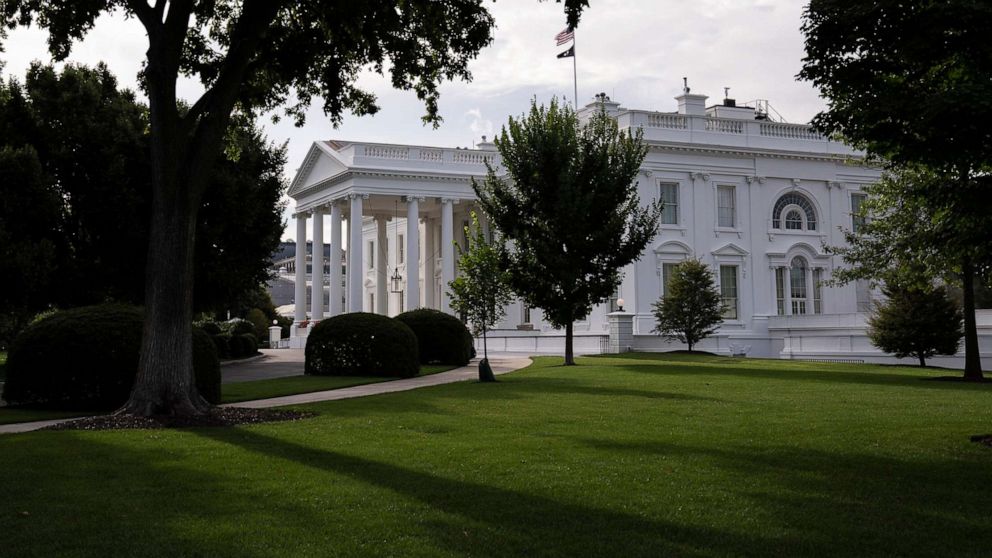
{"x":567,"y":35}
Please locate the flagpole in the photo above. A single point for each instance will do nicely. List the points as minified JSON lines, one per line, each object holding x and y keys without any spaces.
{"x":575,"y":73}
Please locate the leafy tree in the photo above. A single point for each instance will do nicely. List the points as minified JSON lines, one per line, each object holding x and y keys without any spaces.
{"x":253,"y":56}
{"x":92,"y":145}
{"x":569,"y":208}
{"x":692,"y":308}
{"x":908,"y":239}
{"x":915,"y":321}
{"x":28,"y":246}
{"x":909,"y":82}
{"x":482,"y":290}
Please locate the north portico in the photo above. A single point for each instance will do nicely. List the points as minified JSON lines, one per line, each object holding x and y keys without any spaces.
{"x":401,"y":207}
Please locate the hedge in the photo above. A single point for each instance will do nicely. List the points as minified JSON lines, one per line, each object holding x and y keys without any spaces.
{"x":87,"y":358}
{"x":442,"y":338}
{"x":362,"y":344}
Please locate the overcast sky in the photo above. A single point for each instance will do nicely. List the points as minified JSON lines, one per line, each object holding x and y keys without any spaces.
{"x":636,"y":51}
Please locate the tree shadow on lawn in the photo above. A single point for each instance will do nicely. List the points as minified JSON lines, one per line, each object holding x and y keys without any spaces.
{"x":484,"y":520}
{"x":804,"y":372}
{"x":866,"y":504}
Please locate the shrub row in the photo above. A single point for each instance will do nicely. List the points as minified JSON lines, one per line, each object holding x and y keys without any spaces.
{"x":363,"y":344}
{"x":235,"y":346}
{"x":87,"y":358}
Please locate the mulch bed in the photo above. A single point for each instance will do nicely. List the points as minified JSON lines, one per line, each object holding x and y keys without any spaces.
{"x":218,"y":416}
{"x":985,"y":439}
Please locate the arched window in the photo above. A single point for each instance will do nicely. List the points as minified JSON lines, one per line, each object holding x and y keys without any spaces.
{"x":796,"y":211}
{"x":798,"y":288}
{"x":797,"y":278}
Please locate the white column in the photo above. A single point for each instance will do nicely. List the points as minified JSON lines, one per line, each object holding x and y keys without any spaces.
{"x":317,"y":277}
{"x":447,"y":252}
{"x":381,"y":267}
{"x":429,"y":262}
{"x":412,"y":299}
{"x":334,"y":304}
{"x":355,"y":254}
{"x":300,"y":302}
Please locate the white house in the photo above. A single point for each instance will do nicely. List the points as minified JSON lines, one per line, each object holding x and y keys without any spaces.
{"x":755,"y":199}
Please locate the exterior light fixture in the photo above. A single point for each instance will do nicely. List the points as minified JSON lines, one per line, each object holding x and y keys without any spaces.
{"x":620,"y":305}
{"x":395,"y":281}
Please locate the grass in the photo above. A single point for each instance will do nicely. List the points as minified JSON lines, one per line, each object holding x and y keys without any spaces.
{"x":233,"y":392}
{"x":292,"y":385}
{"x":628,"y":456}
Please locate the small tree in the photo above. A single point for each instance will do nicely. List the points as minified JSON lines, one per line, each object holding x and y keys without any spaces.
{"x":568,"y":204}
{"x":482,"y":291}
{"x":914,"y":321}
{"x":691,"y":308}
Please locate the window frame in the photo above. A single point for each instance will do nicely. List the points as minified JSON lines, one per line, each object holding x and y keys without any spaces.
{"x":676,"y":188}
{"x":730,"y":313}
{"x":733,"y":206}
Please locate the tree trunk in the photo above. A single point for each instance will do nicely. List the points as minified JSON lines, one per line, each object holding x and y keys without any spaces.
{"x":165,"y":382}
{"x":485,"y":347}
{"x":972,"y":360}
{"x":569,"y":356}
{"x":923,"y":361}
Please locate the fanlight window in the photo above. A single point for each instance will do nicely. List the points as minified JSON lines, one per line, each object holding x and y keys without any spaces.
{"x":796,"y":211}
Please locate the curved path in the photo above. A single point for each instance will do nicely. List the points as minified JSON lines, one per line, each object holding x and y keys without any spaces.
{"x":501,"y":365}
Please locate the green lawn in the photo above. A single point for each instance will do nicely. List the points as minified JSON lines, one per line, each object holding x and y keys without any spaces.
{"x":277,"y":387}
{"x":632,"y":456}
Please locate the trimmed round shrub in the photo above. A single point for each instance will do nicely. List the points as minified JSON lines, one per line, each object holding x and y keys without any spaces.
{"x":84,"y":358}
{"x":223,"y":344}
{"x":442,"y":338}
{"x":362,"y":344}
{"x":260,"y":323}
{"x":206,"y":366}
{"x":249,"y":344}
{"x":239,"y":327}
{"x":211,"y":328}
{"x":238,"y":348}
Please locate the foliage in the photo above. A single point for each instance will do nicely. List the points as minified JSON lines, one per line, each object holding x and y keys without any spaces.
{"x":914,"y":321}
{"x":482,"y":289}
{"x":206,"y":363}
{"x":560,"y":178}
{"x":222,"y":343}
{"x":259,"y":322}
{"x":253,"y":56}
{"x":90,"y":140}
{"x":87,"y":357}
{"x":362,"y":344}
{"x":29,"y":246}
{"x":441,"y":338}
{"x":240,"y":327}
{"x":691,"y":309}
{"x":908,"y":81}
{"x":918,"y":229}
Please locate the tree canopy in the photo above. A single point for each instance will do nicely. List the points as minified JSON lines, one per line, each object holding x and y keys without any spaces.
{"x":908,"y":81}
{"x":915,"y":321}
{"x":253,"y":56}
{"x":691,"y":309}
{"x":568,"y":206}
{"x":88,"y":204}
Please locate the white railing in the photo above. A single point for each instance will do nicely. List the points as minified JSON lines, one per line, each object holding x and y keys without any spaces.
{"x":789,"y":131}
{"x":472,"y":157}
{"x":432,"y":155}
{"x":669,"y":121}
{"x":386,"y":152}
{"x":724,"y":126}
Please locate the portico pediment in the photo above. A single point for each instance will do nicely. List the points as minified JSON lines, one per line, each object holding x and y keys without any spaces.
{"x":319,"y":165}
{"x":730,"y":250}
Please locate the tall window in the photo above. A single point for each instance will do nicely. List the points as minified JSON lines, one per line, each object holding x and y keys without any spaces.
{"x":857,"y":221}
{"x":797,"y":282}
{"x":728,"y":291}
{"x":401,"y":253}
{"x":817,"y":291}
{"x":795,"y":211}
{"x":667,"y":271}
{"x":525,"y":315}
{"x":780,"y":290}
{"x":371,"y":259}
{"x":670,"y":197}
{"x":726,"y":206}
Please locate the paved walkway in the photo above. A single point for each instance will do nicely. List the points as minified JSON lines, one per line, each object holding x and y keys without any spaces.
{"x":501,"y":365}
{"x":274,"y":363}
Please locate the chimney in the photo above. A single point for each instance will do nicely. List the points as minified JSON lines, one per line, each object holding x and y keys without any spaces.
{"x":692,"y":105}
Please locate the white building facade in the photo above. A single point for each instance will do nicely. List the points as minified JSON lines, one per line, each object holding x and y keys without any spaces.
{"x":755,"y":200}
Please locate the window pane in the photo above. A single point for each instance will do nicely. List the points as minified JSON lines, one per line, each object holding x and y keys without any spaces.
{"x":667,"y":271}
{"x":817,"y":291}
{"x":797,"y":282}
{"x":402,"y":251}
{"x":780,"y":290}
{"x":728,"y":291}
{"x":794,"y":220}
{"x":670,"y":197}
{"x":793,"y":198}
{"x":725,"y":206}
{"x":857,"y":221}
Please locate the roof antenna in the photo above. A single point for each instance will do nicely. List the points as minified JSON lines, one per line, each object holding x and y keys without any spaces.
{"x":726,"y":92}
{"x":685,"y":85}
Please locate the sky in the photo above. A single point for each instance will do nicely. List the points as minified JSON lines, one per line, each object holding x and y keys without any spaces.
{"x":635,"y":51}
